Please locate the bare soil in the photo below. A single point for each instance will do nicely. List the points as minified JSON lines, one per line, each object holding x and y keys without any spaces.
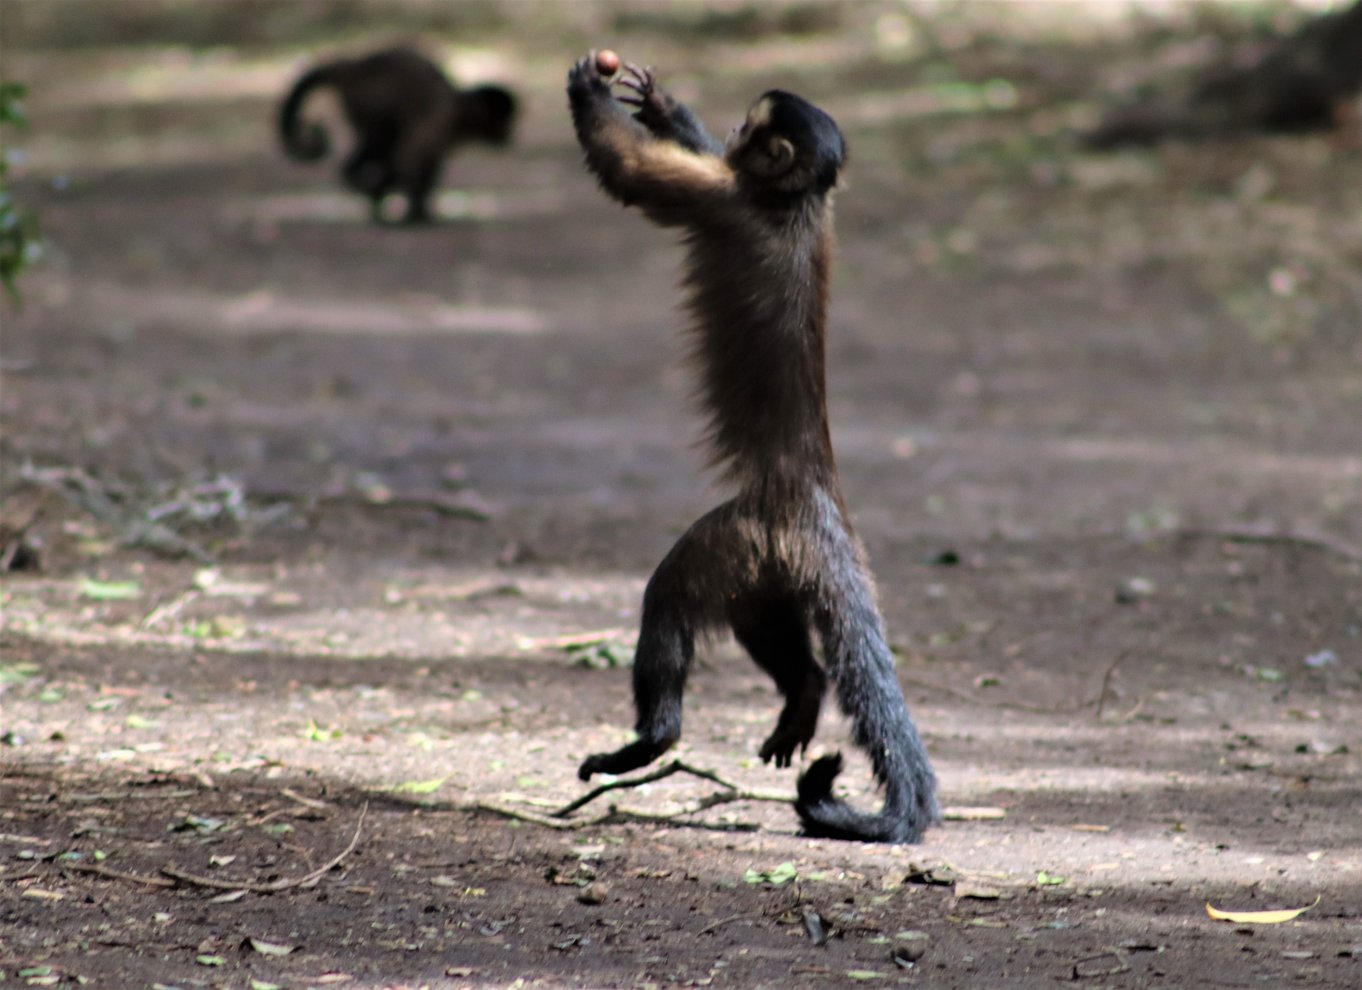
{"x":1097,"y":419}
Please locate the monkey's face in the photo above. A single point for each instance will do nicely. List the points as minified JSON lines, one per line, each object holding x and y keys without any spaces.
{"x":787,"y":143}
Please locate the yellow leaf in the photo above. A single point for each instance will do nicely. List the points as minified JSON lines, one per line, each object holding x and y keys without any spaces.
{"x":1258,"y":917}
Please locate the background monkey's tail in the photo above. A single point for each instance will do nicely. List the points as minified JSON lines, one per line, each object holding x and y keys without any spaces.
{"x":868,"y":691}
{"x":305,"y":142}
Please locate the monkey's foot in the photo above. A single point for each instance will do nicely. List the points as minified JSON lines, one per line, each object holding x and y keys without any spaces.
{"x":782,"y":748}
{"x":796,"y":726}
{"x":782,"y":743}
{"x":637,"y":754}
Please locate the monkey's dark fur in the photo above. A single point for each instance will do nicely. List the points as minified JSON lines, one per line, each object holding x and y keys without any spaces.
{"x":778,"y":560}
{"x":1304,"y":83}
{"x":406,"y":116}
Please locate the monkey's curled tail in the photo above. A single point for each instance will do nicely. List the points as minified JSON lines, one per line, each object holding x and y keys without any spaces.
{"x":868,"y":691}
{"x":304,"y":142}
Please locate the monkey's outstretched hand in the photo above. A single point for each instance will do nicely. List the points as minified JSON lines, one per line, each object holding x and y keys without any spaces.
{"x":652,"y":106}
{"x":586,"y":74}
{"x":601,"y":70}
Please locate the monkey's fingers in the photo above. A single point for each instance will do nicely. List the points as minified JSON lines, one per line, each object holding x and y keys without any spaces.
{"x":639,"y":77}
{"x":640,"y":96}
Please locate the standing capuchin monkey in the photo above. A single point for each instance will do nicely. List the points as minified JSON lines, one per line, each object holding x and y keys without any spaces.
{"x":406,"y":116}
{"x":780,"y":558}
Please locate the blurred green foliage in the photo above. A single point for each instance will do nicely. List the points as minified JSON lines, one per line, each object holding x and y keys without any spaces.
{"x":18,"y":233}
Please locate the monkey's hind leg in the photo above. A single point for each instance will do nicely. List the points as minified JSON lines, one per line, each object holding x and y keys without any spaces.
{"x":416,"y":166}
{"x":685,"y":597}
{"x":418,"y":187}
{"x":775,"y":632}
{"x":369,"y":171}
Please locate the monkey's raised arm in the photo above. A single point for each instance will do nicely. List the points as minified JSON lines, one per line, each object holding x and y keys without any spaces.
{"x":671,"y":182}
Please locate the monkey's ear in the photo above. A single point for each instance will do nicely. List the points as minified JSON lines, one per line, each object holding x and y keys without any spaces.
{"x":781,"y":154}
{"x":768,"y":156}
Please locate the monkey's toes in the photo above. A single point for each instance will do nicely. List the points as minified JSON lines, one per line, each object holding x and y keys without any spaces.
{"x":591,"y":765}
{"x":779,"y":748}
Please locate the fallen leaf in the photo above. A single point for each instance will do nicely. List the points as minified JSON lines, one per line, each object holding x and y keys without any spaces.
{"x":270,"y":948}
{"x":813,"y":925}
{"x":977,"y":891}
{"x":43,"y":895}
{"x":931,"y":876}
{"x":1258,"y":917}
{"x":912,"y":947}
{"x":982,"y":814}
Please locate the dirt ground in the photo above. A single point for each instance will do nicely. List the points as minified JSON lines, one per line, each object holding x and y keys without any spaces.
{"x":1097,"y":419}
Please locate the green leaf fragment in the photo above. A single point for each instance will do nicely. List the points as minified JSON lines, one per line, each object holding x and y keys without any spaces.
{"x":17,"y":673}
{"x":105,"y":591}
{"x":775,"y":876}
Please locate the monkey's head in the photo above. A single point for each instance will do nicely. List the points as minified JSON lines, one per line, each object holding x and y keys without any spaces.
{"x":788,"y":145}
{"x":487,"y":113}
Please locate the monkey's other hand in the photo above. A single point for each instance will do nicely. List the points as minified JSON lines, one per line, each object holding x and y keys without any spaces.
{"x":654,"y":104}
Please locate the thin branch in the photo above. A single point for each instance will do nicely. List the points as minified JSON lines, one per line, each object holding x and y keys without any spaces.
{"x":720,"y":923}
{"x":676,"y":766}
{"x":170,"y":609}
{"x":617,"y":815}
{"x":1304,"y":538}
{"x":1020,"y":706}
{"x":302,"y":799}
{"x":506,"y":811}
{"x":274,"y":886}
{"x":1106,"y":682}
{"x":100,"y":870}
